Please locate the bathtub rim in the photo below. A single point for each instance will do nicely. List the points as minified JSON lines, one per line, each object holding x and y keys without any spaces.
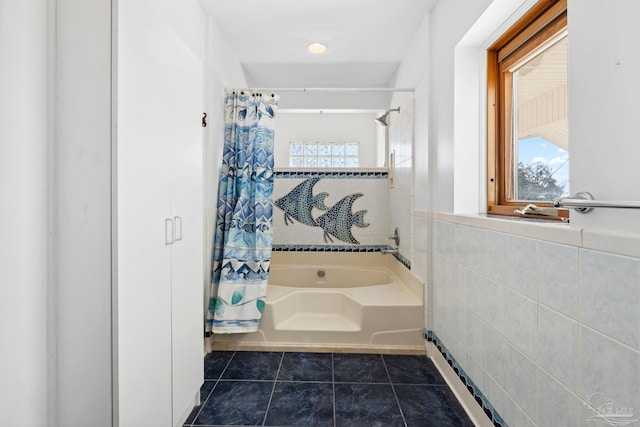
{"x":372,"y":260}
{"x":388,"y":275}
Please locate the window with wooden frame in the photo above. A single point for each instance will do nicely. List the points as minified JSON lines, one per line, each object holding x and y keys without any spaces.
{"x":528,"y":144}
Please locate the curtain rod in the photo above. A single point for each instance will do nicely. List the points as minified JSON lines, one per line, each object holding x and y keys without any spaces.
{"x":335,"y":89}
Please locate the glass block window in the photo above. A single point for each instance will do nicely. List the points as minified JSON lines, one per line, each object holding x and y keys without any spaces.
{"x":324,"y":154}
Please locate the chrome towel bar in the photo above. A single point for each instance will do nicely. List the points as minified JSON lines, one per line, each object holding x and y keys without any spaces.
{"x":583,"y":202}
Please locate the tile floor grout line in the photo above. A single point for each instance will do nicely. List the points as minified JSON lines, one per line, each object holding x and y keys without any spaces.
{"x":395,"y":395}
{"x":362,"y":383}
{"x":333,"y":388}
{"x":275,"y":381}
{"x":327,"y":382}
{"x":202,"y":404}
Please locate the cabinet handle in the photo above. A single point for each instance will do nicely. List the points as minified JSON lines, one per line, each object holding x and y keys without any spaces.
{"x":178,"y":221}
{"x":169,"y":232}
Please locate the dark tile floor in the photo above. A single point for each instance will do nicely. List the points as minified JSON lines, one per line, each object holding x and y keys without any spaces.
{"x":324,"y":389}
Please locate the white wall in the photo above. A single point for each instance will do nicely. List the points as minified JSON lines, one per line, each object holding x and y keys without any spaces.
{"x":23,"y":219}
{"x":59,"y":324}
{"x":603,"y":109}
{"x":313,"y":126}
{"x":413,"y":72}
{"x":82,"y":216}
{"x":327,"y":100}
{"x":449,"y":21}
{"x":222,"y":70}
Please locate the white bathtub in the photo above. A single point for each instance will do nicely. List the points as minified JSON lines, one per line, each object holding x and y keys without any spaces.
{"x":319,"y":301}
{"x":319,"y":276}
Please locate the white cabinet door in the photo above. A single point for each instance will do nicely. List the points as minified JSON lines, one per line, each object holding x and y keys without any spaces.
{"x":187,"y":256}
{"x":159,"y":352}
{"x":143,"y":295}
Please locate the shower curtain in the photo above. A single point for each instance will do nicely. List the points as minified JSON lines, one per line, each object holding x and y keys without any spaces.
{"x":243,"y":232}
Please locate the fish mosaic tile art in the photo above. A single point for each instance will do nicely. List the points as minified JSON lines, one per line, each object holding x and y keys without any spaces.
{"x":337,"y":221}
{"x":300,"y":201}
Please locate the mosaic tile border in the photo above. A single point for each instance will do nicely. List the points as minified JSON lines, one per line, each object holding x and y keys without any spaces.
{"x":328,"y":248}
{"x":332,"y":174}
{"x":340,"y":248}
{"x":404,"y":261}
{"x":472,"y":388}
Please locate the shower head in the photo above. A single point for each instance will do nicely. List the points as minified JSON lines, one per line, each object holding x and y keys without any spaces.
{"x":382,"y":120}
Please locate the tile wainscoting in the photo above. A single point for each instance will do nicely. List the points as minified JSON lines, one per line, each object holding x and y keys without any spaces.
{"x":543,"y":319}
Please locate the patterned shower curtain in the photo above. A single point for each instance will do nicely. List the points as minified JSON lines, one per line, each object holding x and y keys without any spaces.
{"x":243,"y":233}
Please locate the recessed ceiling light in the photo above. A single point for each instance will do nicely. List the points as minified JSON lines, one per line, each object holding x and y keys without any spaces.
{"x":317,"y":48}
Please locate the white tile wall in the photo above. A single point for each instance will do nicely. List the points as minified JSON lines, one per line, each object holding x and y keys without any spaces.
{"x":504,"y":404}
{"x":522,"y":323}
{"x":558,"y":346}
{"x":420,"y":247}
{"x":538,"y":325}
{"x":401,"y":195}
{"x":557,"y":405}
{"x":610,"y":368}
{"x":421,"y":256}
{"x":610,"y":295}
{"x":522,"y":274}
{"x":558,"y":277}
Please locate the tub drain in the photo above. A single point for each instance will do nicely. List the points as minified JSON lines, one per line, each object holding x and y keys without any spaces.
{"x":321,"y":273}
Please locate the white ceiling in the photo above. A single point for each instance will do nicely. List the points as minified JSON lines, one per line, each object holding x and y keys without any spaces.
{"x":366,"y":39}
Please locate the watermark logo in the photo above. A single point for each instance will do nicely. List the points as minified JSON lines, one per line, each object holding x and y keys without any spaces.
{"x":608,"y":411}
